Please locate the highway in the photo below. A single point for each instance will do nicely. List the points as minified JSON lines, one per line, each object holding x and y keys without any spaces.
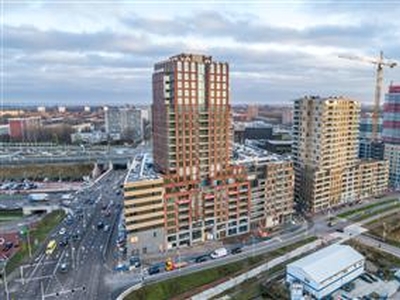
{"x":84,"y":255}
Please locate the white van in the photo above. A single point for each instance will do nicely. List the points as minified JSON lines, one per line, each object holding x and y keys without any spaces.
{"x":220,"y":252}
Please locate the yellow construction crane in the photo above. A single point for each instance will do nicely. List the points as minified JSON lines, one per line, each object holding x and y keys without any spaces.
{"x":380,"y":62}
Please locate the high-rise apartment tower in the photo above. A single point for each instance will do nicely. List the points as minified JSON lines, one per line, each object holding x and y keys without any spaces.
{"x":325,"y":153}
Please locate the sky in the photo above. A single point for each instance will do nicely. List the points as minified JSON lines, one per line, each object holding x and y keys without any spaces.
{"x":103,"y":52}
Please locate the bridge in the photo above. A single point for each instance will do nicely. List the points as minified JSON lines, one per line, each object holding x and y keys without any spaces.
{"x":115,"y":157}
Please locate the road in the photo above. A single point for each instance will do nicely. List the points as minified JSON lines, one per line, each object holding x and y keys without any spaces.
{"x":84,"y":256}
{"x":370,"y":241}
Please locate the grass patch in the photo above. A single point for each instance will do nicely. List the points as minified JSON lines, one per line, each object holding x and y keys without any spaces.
{"x":361,"y":209}
{"x":377,"y":212}
{"x":10,"y":215}
{"x":38,"y":233}
{"x":387,"y":229}
{"x":66,"y":172}
{"x":175,"y":287}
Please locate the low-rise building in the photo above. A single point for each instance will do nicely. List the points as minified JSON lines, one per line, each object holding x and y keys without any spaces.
{"x":326,"y":270}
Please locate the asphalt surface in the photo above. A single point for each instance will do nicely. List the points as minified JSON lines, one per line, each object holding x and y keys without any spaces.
{"x":85,"y":257}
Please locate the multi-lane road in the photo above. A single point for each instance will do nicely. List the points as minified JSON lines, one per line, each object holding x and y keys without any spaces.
{"x":76,"y":270}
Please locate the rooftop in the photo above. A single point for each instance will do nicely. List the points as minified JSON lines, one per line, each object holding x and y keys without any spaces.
{"x":248,"y":153}
{"x":327,"y":262}
{"x":142,"y":169}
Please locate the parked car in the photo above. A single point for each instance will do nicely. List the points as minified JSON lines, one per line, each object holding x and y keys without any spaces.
{"x":106,"y":227}
{"x":100,"y":225}
{"x":8,"y":246}
{"x":121,"y":268}
{"x":154,"y":270}
{"x":236,"y":250}
{"x":63,"y":268}
{"x":135,"y":261}
{"x":62,"y":231}
{"x":218,"y":253}
{"x":202,"y":258}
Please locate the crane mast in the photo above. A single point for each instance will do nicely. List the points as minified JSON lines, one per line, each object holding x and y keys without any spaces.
{"x":380,"y":62}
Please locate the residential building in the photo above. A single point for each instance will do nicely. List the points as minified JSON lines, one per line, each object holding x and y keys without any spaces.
{"x":271,"y":180}
{"x":327,"y":270}
{"x":391,"y":134}
{"x":366,"y":121}
{"x":287,"y":116}
{"x":325,"y":154}
{"x":203,"y":192}
{"x":371,"y":178}
{"x":24,"y":129}
{"x":371,"y":149}
{"x":124,"y":123}
{"x":391,"y":116}
{"x":392,"y":154}
{"x":144,"y":207}
{"x":206,"y":197}
{"x":252,"y":112}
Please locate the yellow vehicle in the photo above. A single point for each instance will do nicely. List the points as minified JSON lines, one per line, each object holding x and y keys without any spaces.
{"x":51,"y":246}
{"x":169,"y":265}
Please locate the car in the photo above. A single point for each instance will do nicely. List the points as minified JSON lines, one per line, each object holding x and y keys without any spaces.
{"x":100,"y":225}
{"x":62,"y":231}
{"x":218,"y":253}
{"x":63,"y":243}
{"x":69,"y":221}
{"x":76,"y":235}
{"x":153,"y":270}
{"x":8,"y":246}
{"x":236,"y":250}
{"x":63,"y":268}
{"x":202,"y":258}
{"x":135,"y":261}
{"x":106,"y":228}
{"x":121,"y":268}
{"x":340,"y":230}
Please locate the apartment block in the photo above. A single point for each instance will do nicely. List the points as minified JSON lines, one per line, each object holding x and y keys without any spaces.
{"x":24,"y":129}
{"x":271,"y":179}
{"x":392,"y":154}
{"x":391,"y":134}
{"x":325,"y":153}
{"x":144,"y":207}
{"x":372,"y":178}
{"x":205,"y":194}
{"x":124,"y":122}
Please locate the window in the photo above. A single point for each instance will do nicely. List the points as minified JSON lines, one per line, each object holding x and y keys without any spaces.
{"x":155,"y":234}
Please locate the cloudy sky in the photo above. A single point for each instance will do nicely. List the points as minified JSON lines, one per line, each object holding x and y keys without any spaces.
{"x":98,"y":52}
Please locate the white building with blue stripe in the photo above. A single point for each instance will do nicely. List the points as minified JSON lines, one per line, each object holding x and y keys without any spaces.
{"x":326,"y":270}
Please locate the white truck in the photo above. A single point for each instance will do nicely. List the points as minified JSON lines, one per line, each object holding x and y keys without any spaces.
{"x":220,"y":252}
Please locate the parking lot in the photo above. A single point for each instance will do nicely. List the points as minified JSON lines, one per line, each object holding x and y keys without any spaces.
{"x":361,"y":288}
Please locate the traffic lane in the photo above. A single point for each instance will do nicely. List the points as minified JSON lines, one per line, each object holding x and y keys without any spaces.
{"x":47,"y":270}
{"x":219,"y":262}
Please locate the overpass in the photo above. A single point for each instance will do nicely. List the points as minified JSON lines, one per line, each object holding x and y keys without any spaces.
{"x":31,"y":209}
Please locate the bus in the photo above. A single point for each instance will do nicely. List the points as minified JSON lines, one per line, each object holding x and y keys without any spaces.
{"x":51,"y":246}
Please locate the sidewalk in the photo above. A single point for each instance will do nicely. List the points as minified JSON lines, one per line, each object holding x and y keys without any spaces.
{"x":184,"y":252}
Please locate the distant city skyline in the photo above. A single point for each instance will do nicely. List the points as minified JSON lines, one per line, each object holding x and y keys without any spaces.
{"x":103,"y":52}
